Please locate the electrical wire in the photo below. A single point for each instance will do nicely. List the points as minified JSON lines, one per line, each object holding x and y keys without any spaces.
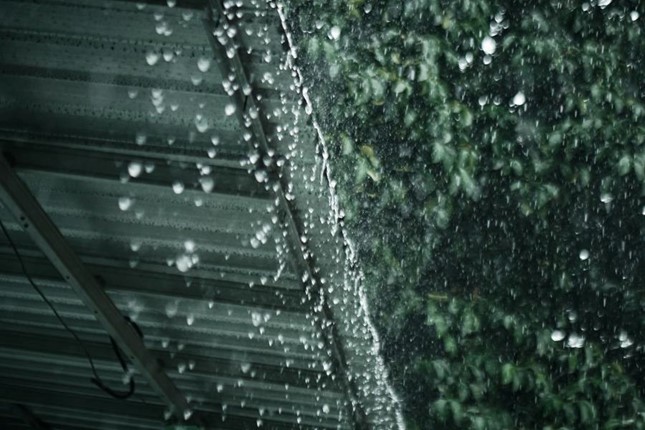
{"x":96,"y":380}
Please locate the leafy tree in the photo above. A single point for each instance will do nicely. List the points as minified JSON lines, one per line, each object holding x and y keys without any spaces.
{"x":490,"y":157}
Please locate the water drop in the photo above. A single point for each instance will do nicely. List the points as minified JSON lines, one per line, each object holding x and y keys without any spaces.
{"x":171,"y":309}
{"x":183,"y":263}
{"x":189,"y":245}
{"x":135,"y":168}
{"x":125,"y":203}
{"x":135,"y":245}
{"x":584,"y":254}
{"x":334,"y":33}
{"x":229,"y":109}
{"x":260,"y":175}
{"x":557,"y":335}
{"x":575,"y":341}
{"x":203,"y":64}
{"x":256,"y":319}
{"x":489,"y":45}
{"x":152,"y":58}
{"x":168,"y":55}
{"x":201,"y":123}
{"x":140,"y":138}
{"x":519,"y":99}
{"x":178,"y":187}
{"x":207,"y":184}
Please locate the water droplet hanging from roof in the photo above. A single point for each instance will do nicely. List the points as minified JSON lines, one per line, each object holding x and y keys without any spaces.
{"x":207,"y":184}
{"x":140,"y":138}
{"x":178,"y":187}
{"x":125,"y":203}
{"x":152,"y":58}
{"x":135,"y":168}
{"x":203,"y":64}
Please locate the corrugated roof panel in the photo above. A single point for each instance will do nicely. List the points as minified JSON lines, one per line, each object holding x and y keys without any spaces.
{"x":132,"y":151}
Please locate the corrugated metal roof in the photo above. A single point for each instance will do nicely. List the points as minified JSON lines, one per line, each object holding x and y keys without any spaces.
{"x":122,"y":129}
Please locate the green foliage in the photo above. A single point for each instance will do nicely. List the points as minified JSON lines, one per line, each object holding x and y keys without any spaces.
{"x":491,"y":227}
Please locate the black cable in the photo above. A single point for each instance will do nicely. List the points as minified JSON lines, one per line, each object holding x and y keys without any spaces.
{"x":96,"y":380}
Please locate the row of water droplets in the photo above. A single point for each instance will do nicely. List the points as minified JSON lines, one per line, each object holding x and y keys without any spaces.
{"x":352,"y":278}
{"x":263,"y":232}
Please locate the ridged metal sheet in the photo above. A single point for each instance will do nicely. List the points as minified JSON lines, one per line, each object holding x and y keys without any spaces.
{"x":184,"y":236}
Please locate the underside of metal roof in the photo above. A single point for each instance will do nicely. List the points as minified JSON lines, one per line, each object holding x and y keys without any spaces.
{"x":158,"y":158}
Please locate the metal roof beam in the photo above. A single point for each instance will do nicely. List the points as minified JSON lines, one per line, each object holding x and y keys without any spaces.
{"x":32,"y":218}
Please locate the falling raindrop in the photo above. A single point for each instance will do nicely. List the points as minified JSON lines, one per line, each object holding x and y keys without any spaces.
{"x":557,"y":335}
{"x":256,"y":319}
{"x":584,"y":254}
{"x":519,"y":99}
{"x":489,"y":45}
{"x":207,"y":184}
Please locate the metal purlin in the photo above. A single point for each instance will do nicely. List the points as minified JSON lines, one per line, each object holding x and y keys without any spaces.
{"x":248,"y":114}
